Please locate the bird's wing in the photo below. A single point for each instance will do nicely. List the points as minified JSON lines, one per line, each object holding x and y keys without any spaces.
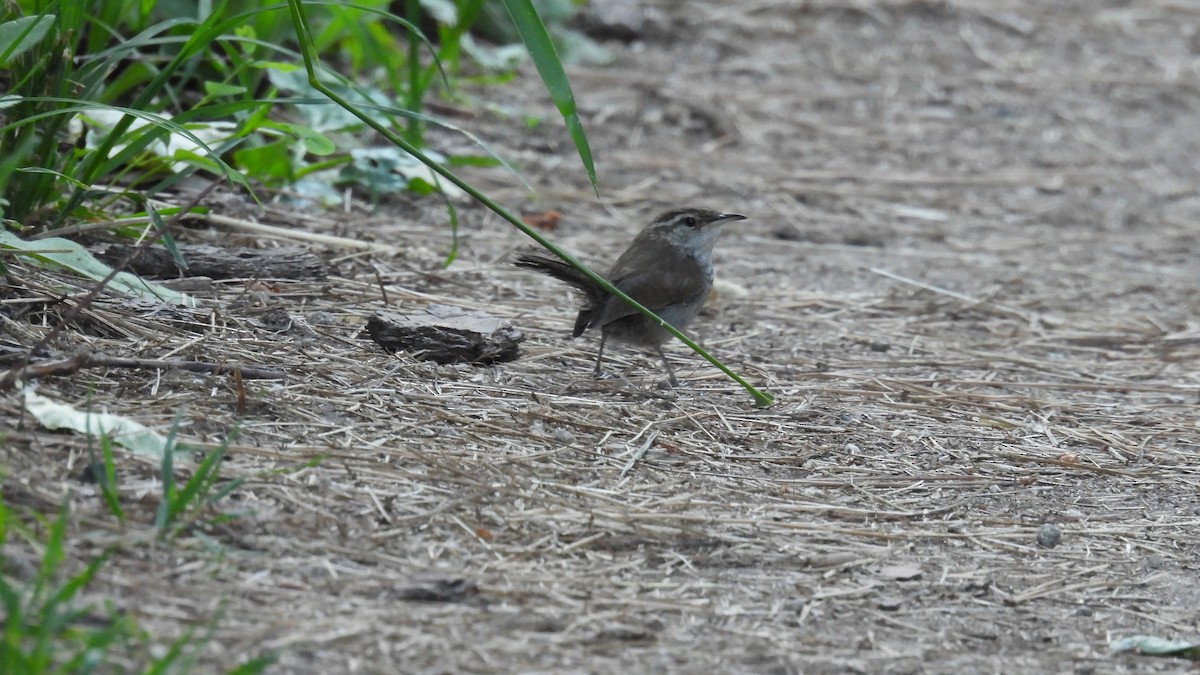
{"x":654,"y":290}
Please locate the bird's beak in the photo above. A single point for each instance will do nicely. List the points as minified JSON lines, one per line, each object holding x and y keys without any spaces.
{"x":727,"y":218}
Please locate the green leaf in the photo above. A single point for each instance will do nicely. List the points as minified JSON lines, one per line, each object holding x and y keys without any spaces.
{"x":472,"y":160}
{"x":123,"y":431}
{"x":545,"y":57}
{"x":1153,"y":645}
{"x":270,"y":163}
{"x":281,"y":66}
{"x":19,"y":35}
{"x":223,"y":89}
{"x":108,"y":485}
{"x":314,"y":141}
{"x":76,"y":258}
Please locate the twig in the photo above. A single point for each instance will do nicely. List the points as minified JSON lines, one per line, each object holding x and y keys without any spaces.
{"x":957,"y":296}
{"x":88,"y":360}
{"x":290,"y":233}
{"x":10,"y":378}
{"x":639,"y":453}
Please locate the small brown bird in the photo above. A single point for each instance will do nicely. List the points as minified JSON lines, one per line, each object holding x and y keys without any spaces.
{"x":667,"y":268}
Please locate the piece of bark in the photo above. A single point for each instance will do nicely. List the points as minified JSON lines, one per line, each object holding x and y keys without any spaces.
{"x":447,"y":334}
{"x":219,"y":263}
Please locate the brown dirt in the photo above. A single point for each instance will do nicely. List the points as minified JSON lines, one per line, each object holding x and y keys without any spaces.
{"x":970,"y":278}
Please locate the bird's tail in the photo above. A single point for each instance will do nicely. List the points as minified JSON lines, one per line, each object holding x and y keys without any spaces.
{"x":561,"y":271}
{"x":594,"y":296}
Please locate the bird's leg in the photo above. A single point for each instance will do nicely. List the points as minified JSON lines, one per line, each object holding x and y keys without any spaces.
{"x":670,"y":373}
{"x":599,"y":355}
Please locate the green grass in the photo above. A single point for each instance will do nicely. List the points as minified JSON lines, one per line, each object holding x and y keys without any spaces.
{"x":195,"y":501}
{"x":49,"y":626}
{"x":107,"y":103}
{"x":46,"y":628}
{"x":107,"y":99}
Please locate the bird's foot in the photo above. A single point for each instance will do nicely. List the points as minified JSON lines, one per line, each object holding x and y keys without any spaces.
{"x":669,"y":383}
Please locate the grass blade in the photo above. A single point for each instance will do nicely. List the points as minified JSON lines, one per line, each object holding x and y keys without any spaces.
{"x":545,"y":57}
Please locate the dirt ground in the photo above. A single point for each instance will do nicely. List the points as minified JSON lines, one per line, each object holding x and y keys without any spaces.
{"x":969,"y":276}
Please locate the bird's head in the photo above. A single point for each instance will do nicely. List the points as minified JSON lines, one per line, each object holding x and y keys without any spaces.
{"x":693,"y":229}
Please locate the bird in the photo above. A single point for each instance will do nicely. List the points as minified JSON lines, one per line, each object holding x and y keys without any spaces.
{"x":667,"y":268}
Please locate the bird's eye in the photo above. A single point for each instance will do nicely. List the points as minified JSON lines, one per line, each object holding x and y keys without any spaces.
{"x":689,"y":221}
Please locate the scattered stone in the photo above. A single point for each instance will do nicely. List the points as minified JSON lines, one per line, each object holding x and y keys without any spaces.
{"x":446,"y":334}
{"x":827,"y":560}
{"x":321,"y":318}
{"x":276,"y":320}
{"x":907,"y":572}
{"x":1049,"y":535}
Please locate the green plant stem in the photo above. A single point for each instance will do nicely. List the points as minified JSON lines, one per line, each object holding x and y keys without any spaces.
{"x":412,"y":10}
{"x":306,"y":49}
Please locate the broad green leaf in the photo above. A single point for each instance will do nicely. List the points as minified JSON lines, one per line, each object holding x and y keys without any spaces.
{"x":269,"y":163}
{"x":19,"y":35}
{"x":1153,"y":645}
{"x":391,"y":170}
{"x":314,"y":141}
{"x":123,"y":431}
{"x":76,"y":258}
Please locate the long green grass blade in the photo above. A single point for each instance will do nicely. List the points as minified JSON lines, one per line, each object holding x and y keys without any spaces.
{"x":108,"y":485}
{"x":199,"y":484}
{"x":164,"y":517}
{"x":545,"y":57}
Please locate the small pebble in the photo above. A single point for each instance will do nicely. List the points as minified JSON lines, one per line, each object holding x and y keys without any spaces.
{"x":321,"y":318}
{"x":890,"y":603}
{"x":1049,"y":535}
{"x":563,"y":436}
